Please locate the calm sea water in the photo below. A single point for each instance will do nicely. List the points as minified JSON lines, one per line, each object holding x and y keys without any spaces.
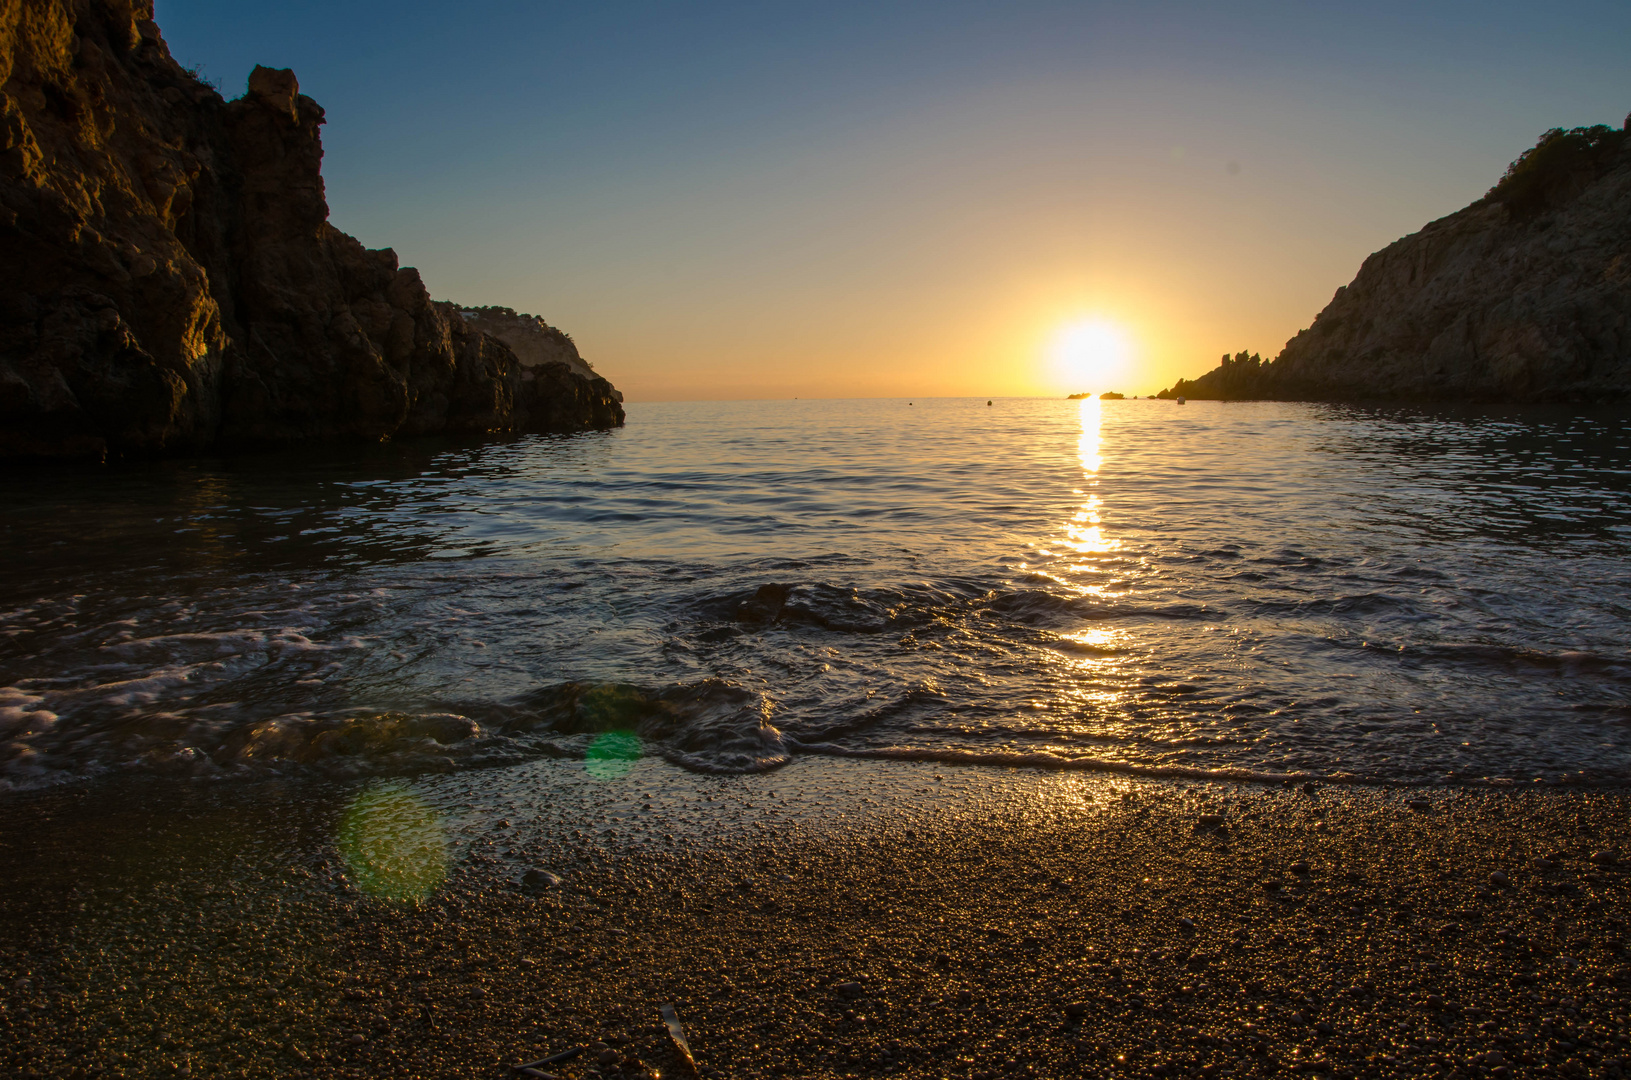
{"x":1246,"y":588}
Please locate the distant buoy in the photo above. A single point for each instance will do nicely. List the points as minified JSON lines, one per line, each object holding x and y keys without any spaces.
{"x":1180,"y":401}
{"x":988,"y":404}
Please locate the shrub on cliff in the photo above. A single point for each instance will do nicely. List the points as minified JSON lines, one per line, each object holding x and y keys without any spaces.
{"x":1557,"y":168}
{"x":1236,"y":378}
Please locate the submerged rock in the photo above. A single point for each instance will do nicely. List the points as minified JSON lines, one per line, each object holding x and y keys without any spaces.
{"x":169,"y":279}
{"x":1525,"y":295}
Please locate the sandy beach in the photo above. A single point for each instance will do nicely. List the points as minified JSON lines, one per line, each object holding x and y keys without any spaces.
{"x":947,"y":923}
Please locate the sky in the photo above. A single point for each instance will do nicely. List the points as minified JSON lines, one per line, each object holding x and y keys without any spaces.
{"x":837,"y":199}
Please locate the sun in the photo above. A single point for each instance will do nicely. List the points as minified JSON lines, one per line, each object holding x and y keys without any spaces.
{"x":1091,"y":355}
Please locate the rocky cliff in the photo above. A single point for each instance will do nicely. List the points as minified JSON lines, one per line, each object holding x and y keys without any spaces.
{"x":1525,"y":295}
{"x":169,"y":280}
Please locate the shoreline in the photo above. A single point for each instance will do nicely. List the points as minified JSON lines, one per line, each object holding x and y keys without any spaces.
{"x":838,"y":918}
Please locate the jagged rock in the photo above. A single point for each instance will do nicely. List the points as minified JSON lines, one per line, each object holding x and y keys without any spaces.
{"x":549,"y":358}
{"x":1525,"y":295}
{"x":533,"y":340}
{"x":169,"y":280}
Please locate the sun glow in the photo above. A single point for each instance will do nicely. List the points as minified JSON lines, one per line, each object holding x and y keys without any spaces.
{"x":1091,"y":355}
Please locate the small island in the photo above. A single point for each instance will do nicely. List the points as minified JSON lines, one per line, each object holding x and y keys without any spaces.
{"x":1109,"y":395}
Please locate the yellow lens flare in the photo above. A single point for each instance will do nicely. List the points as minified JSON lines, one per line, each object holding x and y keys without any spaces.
{"x":394,"y":844}
{"x":1091,"y":355}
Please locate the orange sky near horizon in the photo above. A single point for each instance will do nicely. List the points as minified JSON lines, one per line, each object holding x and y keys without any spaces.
{"x":734,"y":200}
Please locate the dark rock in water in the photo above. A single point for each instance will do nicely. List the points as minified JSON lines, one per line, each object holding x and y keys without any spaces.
{"x":537,"y":878}
{"x":1525,"y":295}
{"x":169,"y":280}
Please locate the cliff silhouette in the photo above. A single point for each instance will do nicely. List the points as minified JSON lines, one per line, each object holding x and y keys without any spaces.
{"x":170,"y":282}
{"x":1523,"y":296}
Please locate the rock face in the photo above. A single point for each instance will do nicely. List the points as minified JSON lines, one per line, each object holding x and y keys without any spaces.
{"x":534,"y":342}
{"x":1523,"y":296}
{"x":169,"y":280}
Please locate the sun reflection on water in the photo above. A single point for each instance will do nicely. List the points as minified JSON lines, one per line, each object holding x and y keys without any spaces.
{"x":1096,"y":651}
{"x":1085,"y":532}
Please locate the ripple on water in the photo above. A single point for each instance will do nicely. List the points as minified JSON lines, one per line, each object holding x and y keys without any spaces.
{"x":1250,"y":590}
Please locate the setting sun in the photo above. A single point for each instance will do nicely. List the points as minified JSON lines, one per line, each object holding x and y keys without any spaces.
{"x":1090,"y":355}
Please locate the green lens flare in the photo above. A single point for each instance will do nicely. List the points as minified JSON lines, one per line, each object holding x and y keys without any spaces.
{"x":394,"y":844}
{"x":612,"y":754}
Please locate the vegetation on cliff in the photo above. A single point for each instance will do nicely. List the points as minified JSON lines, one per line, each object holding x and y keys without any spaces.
{"x":1236,"y":377}
{"x":1557,"y":168}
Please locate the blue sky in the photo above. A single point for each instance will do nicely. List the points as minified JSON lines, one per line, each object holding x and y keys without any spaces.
{"x":743,"y":200}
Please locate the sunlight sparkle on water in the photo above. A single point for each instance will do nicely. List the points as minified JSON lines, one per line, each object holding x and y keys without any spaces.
{"x":1085,"y":533}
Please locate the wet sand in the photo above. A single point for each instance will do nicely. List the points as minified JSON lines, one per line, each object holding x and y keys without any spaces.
{"x":941,"y":923}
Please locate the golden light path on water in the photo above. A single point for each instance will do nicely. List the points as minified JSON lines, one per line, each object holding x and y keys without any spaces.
{"x":1086,"y":532}
{"x":1084,"y":540}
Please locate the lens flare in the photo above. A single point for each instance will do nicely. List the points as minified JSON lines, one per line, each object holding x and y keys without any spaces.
{"x":394,"y":844}
{"x":612,"y":754}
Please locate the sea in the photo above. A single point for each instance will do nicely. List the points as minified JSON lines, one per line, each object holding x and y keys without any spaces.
{"x":1258,"y":591}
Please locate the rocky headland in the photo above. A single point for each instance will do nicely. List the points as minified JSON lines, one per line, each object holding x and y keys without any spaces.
{"x":170,"y":282}
{"x":1523,"y":296}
